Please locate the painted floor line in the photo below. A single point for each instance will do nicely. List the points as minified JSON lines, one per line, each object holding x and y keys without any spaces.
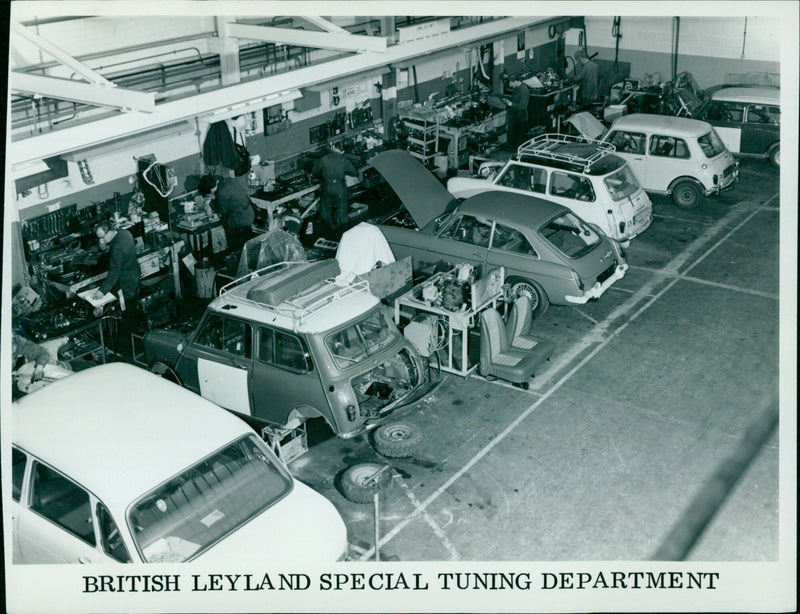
{"x":708,"y":282}
{"x":625,"y":307}
{"x":454,"y":556}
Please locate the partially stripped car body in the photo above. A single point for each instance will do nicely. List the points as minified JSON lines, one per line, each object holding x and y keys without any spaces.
{"x":289,"y":342}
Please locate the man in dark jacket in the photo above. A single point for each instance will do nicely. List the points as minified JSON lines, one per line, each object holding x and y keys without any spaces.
{"x":123,"y":278}
{"x":587,"y":75}
{"x":333,"y":193}
{"x":235,"y":208}
{"x":517,"y":113}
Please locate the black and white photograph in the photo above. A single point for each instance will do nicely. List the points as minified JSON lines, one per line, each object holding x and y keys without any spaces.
{"x":399,"y":307}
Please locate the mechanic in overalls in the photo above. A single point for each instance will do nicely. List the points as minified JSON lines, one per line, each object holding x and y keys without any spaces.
{"x":333,"y":194}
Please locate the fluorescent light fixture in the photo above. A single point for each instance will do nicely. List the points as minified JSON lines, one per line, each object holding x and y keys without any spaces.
{"x":257,"y":104}
{"x":28,"y":168}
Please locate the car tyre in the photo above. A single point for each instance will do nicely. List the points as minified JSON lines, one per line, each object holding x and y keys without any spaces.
{"x":162,"y":369}
{"x":775,"y":155}
{"x":687,"y":194}
{"x":354,"y":485}
{"x":397,"y":440}
{"x":534,"y":292}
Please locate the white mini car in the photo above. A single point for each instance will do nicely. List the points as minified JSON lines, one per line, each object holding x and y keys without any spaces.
{"x":677,"y":156}
{"x":114,"y":464}
{"x":581,"y":174}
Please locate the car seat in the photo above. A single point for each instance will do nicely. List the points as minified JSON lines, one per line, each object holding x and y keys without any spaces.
{"x":518,"y":327}
{"x":498,"y":358}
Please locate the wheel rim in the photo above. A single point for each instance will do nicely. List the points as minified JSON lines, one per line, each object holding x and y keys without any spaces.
{"x":777,"y":157}
{"x":526,"y":289}
{"x":361,"y":475}
{"x":397,"y":432}
{"x":686,"y":195}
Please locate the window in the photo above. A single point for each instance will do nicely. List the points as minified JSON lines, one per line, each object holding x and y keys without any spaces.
{"x":711,"y":144}
{"x":567,"y":185}
{"x":110,"y":537}
{"x":511,"y":240}
{"x":668,"y":147}
{"x":366,"y":337}
{"x":763,"y":114}
{"x":524,"y":178}
{"x":725,"y":111}
{"x":469,"y":229}
{"x":628,"y":142}
{"x":621,"y":184}
{"x":207,"y":501}
{"x":225,"y":334}
{"x":570,"y":235}
{"x":283,"y":350}
{"x":63,"y":502}
{"x":18,"y":460}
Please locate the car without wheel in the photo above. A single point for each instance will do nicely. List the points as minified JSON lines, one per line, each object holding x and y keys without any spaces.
{"x":549,"y":253}
{"x":289,"y":342}
{"x":143,"y":471}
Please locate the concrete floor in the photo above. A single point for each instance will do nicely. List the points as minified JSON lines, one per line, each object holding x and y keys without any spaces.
{"x":646,"y":396}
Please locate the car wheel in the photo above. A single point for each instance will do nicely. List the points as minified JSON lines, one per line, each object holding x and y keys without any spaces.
{"x":687,"y":194}
{"x":534,"y":292}
{"x":164,"y":370}
{"x":356,"y":485}
{"x":775,"y":155}
{"x":397,"y":440}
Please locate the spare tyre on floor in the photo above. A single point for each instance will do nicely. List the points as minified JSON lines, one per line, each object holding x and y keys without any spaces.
{"x":356,"y":485}
{"x":397,"y":439}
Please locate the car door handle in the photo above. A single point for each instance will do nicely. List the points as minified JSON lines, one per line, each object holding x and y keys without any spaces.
{"x":84,"y":560}
{"x":238,"y":365}
{"x":638,"y":158}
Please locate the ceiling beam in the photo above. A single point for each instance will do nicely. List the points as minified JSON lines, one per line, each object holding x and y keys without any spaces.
{"x":62,"y":56}
{"x":78,"y":91}
{"x":326,"y":25}
{"x":121,"y":125}
{"x":307,"y":38}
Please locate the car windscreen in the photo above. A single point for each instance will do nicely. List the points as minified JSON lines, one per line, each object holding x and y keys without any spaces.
{"x":622,"y":184}
{"x":209,"y":500}
{"x":711,"y":144}
{"x":570,"y":235}
{"x":358,"y":341}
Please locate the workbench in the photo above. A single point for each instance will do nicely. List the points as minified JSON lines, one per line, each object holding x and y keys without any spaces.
{"x":485,"y":293}
{"x":542,"y":104}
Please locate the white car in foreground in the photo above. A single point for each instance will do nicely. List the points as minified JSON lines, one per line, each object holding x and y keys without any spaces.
{"x":115,"y":464}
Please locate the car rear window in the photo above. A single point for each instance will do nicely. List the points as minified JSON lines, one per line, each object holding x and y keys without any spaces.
{"x":207,"y":501}
{"x":711,"y":144}
{"x":570,"y":235}
{"x":622,"y":184}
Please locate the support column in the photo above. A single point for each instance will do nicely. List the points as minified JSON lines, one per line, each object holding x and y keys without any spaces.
{"x":228,"y":50}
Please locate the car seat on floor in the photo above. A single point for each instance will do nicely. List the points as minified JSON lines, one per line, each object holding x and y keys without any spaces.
{"x":518,"y":328}
{"x":498,"y":358}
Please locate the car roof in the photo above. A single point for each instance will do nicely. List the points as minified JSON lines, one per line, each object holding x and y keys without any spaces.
{"x":663,"y":124}
{"x":518,"y":209}
{"x":296,"y":296}
{"x":758,"y":95}
{"x":119,"y":430}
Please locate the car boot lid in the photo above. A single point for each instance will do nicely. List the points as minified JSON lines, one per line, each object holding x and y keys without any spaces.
{"x":421,"y":193}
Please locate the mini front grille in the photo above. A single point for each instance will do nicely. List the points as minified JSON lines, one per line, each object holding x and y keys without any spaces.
{"x":728,"y":171}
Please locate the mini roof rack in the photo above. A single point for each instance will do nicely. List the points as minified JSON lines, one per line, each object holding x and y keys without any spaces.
{"x":316,"y":294}
{"x":544,"y":146}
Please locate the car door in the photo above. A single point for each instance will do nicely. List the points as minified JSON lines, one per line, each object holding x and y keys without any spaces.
{"x":668,"y":157}
{"x":632,"y":147}
{"x":56,"y":523}
{"x":517,"y":177}
{"x":220,"y":358}
{"x":727,"y":118}
{"x":284,"y":376}
{"x":761,"y":128}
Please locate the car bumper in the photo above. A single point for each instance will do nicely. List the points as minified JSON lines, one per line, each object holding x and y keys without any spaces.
{"x":599,"y":288}
{"x":728,"y":182}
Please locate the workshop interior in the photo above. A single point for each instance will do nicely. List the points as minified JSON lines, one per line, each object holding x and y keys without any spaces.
{"x":450,"y":287}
